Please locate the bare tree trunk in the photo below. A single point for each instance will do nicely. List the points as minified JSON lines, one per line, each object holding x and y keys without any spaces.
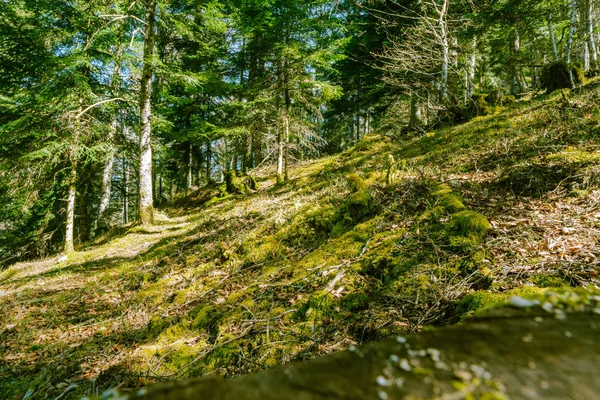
{"x":70,"y":226}
{"x":443,"y":12}
{"x":287,"y":147}
{"x":146,"y":204}
{"x":208,"y":162}
{"x":471,"y":71}
{"x":589,"y":25}
{"x":190,"y":173}
{"x":279,"y":156}
{"x":515,"y":62}
{"x":570,"y":40}
{"x":416,"y":118}
{"x":125,"y":191}
{"x":552,"y":37}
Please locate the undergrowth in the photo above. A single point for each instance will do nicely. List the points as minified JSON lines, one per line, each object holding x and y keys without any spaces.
{"x":353,"y":248}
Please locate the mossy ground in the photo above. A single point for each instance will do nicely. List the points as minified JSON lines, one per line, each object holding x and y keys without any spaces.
{"x":341,"y":254}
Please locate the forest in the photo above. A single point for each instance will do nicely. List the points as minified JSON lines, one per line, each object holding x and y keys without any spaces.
{"x":197,"y":187}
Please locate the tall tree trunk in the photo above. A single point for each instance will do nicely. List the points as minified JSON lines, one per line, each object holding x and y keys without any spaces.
{"x":190,"y":172}
{"x":416,"y":118}
{"x":287,"y":147}
{"x":570,"y":40}
{"x":208,"y":162}
{"x":146,"y":205}
{"x":106,"y":180}
{"x":279,"y":156}
{"x":471,"y":71}
{"x":125,"y":191}
{"x":552,"y":37}
{"x":588,"y":13}
{"x":515,"y":62}
{"x":70,"y":225}
{"x":443,"y":12}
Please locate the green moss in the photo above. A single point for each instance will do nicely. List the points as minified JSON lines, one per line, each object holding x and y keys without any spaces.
{"x":356,"y":301}
{"x":359,"y":206}
{"x":323,"y":302}
{"x":206,"y":317}
{"x":470,"y":225}
{"x":475,"y":301}
{"x":233,"y":183}
{"x":356,"y":183}
{"x":157,"y":325}
{"x":549,"y":281}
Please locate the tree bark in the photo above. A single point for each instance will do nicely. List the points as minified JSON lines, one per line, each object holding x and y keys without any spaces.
{"x":552,"y":37}
{"x":125,"y":191}
{"x":280,"y":150}
{"x":287,"y":147}
{"x":515,"y":62}
{"x":146,"y":204}
{"x":70,"y":226}
{"x":589,"y":24}
{"x":106,"y":180}
{"x":443,"y":12}
{"x":190,"y":172}
{"x":208,"y":162}
{"x":471,"y":71}
{"x":570,"y":40}
{"x":416,"y":117}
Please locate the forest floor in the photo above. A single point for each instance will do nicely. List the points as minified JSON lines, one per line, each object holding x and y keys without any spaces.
{"x":503,"y":205}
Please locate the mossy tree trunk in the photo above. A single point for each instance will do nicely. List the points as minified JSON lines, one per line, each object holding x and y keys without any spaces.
{"x":506,"y":354}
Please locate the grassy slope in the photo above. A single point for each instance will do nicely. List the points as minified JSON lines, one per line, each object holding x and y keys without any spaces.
{"x":243,"y":283}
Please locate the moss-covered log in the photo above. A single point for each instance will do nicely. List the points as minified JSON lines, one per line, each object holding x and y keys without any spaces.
{"x":504,"y":354}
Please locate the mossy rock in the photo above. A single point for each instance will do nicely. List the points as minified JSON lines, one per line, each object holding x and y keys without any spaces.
{"x":475,"y":301}
{"x":233,"y":183}
{"x":557,"y":76}
{"x":470,"y":225}
{"x":356,"y":183}
{"x":359,"y":206}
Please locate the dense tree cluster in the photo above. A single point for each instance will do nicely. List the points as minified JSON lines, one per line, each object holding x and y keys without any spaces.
{"x":108,"y":108}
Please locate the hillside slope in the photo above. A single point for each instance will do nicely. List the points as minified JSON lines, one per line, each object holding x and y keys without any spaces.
{"x":391,"y":236}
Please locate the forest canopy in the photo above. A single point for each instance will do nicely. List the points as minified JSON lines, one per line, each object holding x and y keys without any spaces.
{"x":109,"y":109}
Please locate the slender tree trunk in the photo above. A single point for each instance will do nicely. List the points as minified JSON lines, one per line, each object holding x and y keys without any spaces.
{"x":416,"y":118}
{"x":106,"y":180}
{"x":146,"y":211}
{"x":443,"y":11}
{"x":190,"y":173}
{"x":70,"y":226}
{"x":279,"y":156}
{"x":208,"y":162}
{"x":552,"y":37}
{"x":515,"y":62}
{"x":471,"y":71}
{"x":570,"y":40}
{"x":287,"y":147}
{"x":125,"y":191}
{"x":589,"y":32}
